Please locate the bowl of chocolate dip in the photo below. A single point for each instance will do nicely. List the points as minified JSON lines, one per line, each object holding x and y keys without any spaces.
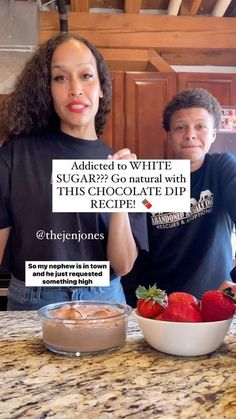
{"x":78,"y":328}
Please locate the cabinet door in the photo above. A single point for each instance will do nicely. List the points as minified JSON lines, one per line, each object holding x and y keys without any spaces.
{"x":146,"y":94}
{"x":222,"y":86}
{"x":114,"y":130}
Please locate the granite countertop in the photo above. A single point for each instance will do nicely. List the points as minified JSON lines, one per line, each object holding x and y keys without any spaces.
{"x":133,"y":382}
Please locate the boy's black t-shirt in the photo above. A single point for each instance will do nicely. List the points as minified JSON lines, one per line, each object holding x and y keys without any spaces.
{"x":192,"y":251}
{"x":26,"y":204}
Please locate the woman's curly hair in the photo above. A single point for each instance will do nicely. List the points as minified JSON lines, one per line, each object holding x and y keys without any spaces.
{"x":29,"y":108}
{"x":192,"y":98}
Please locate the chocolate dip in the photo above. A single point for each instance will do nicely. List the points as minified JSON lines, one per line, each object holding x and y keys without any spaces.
{"x":84,"y":328}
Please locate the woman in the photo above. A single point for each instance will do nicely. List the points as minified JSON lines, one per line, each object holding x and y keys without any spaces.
{"x":57,"y":110}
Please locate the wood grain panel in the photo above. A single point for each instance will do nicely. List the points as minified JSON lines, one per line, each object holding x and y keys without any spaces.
{"x":124,"y":30}
{"x":132,"y":6}
{"x":146,"y":94}
{"x":218,"y":57}
{"x":222,"y":86}
{"x":123,"y":59}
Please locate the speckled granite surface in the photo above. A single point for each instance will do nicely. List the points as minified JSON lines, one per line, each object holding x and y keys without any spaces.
{"x":133,"y":382}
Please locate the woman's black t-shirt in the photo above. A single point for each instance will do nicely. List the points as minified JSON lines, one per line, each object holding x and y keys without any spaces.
{"x":26,"y":204}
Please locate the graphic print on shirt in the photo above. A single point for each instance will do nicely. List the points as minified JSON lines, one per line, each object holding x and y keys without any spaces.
{"x":197,"y":209}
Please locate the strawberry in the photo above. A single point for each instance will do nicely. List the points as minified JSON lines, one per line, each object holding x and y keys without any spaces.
{"x":217,"y":305}
{"x":180,"y":311}
{"x":151,"y":301}
{"x":160,"y":316}
{"x":185,"y":297}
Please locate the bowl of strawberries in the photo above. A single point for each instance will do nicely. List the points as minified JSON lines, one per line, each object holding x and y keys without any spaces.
{"x":179,"y":324}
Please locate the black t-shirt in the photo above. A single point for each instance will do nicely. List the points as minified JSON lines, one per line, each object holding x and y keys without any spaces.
{"x":192,"y":251}
{"x":26,"y":203}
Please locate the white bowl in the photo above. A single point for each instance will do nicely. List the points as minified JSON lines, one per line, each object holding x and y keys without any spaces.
{"x":184,"y":339}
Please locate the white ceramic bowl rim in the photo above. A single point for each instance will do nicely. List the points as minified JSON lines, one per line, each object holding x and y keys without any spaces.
{"x":135,"y":312}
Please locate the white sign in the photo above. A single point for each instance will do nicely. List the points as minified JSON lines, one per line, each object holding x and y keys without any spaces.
{"x":121,"y":185}
{"x":67,"y":273}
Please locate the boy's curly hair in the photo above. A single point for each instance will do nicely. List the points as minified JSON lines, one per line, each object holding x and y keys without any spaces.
{"x":192,"y":98}
{"x":29,"y":108}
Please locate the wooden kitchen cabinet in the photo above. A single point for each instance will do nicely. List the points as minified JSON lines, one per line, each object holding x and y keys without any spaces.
{"x":145,"y":97}
{"x":135,"y":120}
{"x":222,"y":86}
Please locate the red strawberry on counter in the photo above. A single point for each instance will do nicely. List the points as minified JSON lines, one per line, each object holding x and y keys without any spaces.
{"x":151,"y":302}
{"x":181,"y":311}
{"x":217,"y":305}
